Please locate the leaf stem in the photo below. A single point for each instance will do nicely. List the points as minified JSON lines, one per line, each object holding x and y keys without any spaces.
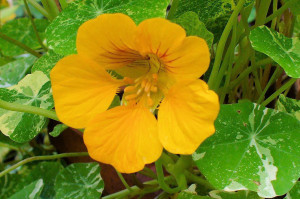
{"x":63,"y":4}
{"x":28,"y":109}
{"x":279,"y":91}
{"x":39,"y":8}
{"x":34,"y":26}
{"x":124,"y":181}
{"x":21,"y":45}
{"x":222,"y":43}
{"x":46,"y":157}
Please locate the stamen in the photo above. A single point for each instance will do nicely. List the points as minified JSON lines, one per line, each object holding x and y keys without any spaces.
{"x":147,"y":87}
{"x":129,"y":89}
{"x":130,"y":97}
{"x":150,"y":102}
{"x":155,"y":76}
{"x":143,"y":84}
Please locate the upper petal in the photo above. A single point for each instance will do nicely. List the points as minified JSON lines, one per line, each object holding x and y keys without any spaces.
{"x":190,"y":60}
{"x":109,"y":40}
{"x":186,"y":116}
{"x":81,"y":88}
{"x":125,"y":137}
{"x":158,"y":36}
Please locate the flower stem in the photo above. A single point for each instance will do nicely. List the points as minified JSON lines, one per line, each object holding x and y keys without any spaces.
{"x":21,"y":45}
{"x":124,"y":181}
{"x":34,"y":26}
{"x":279,"y":91}
{"x":63,"y":4}
{"x":28,"y":109}
{"x":46,"y":157}
{"x":222,"y":43}
{"x":39,"y":8}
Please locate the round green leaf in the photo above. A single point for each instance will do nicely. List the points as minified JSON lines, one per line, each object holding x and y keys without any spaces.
{"x":283,"y":50}
{"x":79,"y":181}
{"x":254,"y":148}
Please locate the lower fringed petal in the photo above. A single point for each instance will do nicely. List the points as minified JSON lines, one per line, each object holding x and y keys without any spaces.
{"x":125,"y":137}
{"x":186,"y":116}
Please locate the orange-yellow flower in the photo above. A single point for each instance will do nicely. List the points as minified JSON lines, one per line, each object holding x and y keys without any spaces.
{"x":160,"y":66}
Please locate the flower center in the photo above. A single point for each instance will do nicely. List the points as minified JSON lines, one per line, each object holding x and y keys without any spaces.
{"x":143,"y":88}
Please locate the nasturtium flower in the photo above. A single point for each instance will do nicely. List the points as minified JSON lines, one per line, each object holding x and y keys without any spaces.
{"x":160,"y":68}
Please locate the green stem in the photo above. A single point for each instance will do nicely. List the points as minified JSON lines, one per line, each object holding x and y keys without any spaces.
{"x":28,"y":109}
{"x":148,"y":172}
{"x":270,"y":82}
{"x":63,"y":4}
{"x":34,"y":26}
{"x":21,"y":45}
{"x":262,"y":12}
{"x":279,"y":11}
{"x":173,"y":9}
{"x":196,"y":179}
{"x":222,"y":43}
{"x":279,"y":91}
{"x":53,"y":9}
{"x":275,"y":4}
{"x":161,"y":176}
{"x":39,"y":8}
{"x":38,"y":158}
{"x":124,"y":181}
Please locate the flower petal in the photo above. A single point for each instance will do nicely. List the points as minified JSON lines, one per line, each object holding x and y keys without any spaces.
{"x":186,"y":117}
{"x":158,"y":36}
{"x":108,"y":40}
{"x":81,"y":88}
{"x":190,"y":60}
{"x":125,"y":137}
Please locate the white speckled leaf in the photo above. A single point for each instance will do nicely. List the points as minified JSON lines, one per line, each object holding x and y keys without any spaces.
{"x":34,"y":90}
{"x":294,"y":193}
{"x":193,"y":27}
{"x":79,"y":181}
{"x":254,"y":148}
{"x":21,"y":30}
{"x":46,"y":62}
{"x":61,"y":33}
{"x":12,"y":72}
{"x":289,"y":105}
{"x":214,"y":14}
{"x":31,"y":191}
{"x":244,"y":194}
{"x":283,"y":50}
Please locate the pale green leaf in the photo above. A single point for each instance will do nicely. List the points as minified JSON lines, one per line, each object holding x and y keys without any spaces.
{"x":193,"y":27}
{"x":31,"y":191}
{"x":46,"y":62}
{"x":254,"y":148}
{"x":61,"y":33}
{"x":217,"y":194}
{"x":283,"y":50}
{"x":12,"y":72}
{"x":79,"y":181}
{"x":21,"y":30}
{"x":34,"y":90}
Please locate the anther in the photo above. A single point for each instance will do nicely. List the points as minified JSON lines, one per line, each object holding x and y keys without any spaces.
{"x":143,"y":84}
{"x":149,"y":101}
{"x":129,"y":89}
{"x":147,"y":87}
{"x":130,"y":97}
{"x":139,"y":91}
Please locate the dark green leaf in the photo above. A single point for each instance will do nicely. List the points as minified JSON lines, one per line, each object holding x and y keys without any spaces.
{"x":294,"y":193}
{"x":61,"y":33}
{"x":193,"y":27}
{"x":254,"y":148}
{"x":31,"y":191}
{"x":79,"y":181}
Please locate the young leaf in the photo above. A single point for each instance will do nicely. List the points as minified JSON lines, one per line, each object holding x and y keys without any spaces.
{"x":254,"y":148}
{"x":13,"y":72}
{"x":61,"y":33}
{"x":34,"y":90}
{"x":289,"y":105}
{"x":46,"y":62}
{"x":283,"y":50}
{"x":194,"y":27}
{"x":21,"y":30}
{"x":79,"y":181}
{"x":31,"y":191}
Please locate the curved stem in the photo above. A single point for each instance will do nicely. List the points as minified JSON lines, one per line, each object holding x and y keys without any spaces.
{"x":34,"y":26}
{"x":279,"y":91}
{"x":21,"y":45}
{"x":28,"y":109}
{"x":46,"y":157}
{"x":222,"y":43}
{"x":124,"y":181}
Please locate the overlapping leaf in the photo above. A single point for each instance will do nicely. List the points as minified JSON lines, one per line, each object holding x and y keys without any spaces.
{"x":283,"y":50}
{"x":13,"y":72}
{"x":22,"y":31}
{"x":34,"y":90}
{"x":254,"y":148}
{"x":61,"y":33}
{"x":31,"y":191}
{"x":79,"y":181}
{"x":289,"y":105}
